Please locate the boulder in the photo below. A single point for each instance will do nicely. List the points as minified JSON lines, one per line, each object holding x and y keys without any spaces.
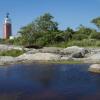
{"x":95,"y":68}
{"x":78,"y":55}
{"x":66,"y":58}
{"x":7,"y":60}
{"x":94,"y":56}
{"x":73,"y":50}
{"x":32,"y":51}
{"x":50,"y":50}
{"x":40,"y":57}
{"x":9,"y":47}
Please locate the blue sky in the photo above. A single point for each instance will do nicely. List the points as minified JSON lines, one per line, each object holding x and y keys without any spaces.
{"x":68,"y":13}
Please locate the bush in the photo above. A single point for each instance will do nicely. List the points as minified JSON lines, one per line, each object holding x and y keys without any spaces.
{"x":84,"y":43}
{"x":13,"y":53}
{"x":79,"y":36}
{"x":95,"y":35}
{"x":97,"y":43}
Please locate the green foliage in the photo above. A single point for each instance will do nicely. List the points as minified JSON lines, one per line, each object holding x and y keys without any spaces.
{"x":38,"y":31}
{"x":44,"y":32}
{"x":49,"y":38}
{"x":95,"y":35}
{"x":96,"y":21}
{"x":45,"y":23}
{"x":80,"y":36}
{"x":42,"y":24}
{"x":1,"y":40}
{"x":13,"y":53}
{"x":85,"y":42}
{"x":67,"y":35}
{"x":84,"y":30}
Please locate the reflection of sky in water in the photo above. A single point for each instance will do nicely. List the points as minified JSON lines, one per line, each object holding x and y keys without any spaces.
{"x":50,"y":81}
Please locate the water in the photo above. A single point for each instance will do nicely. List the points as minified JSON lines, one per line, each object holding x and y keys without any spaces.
{"x":49,"y":82}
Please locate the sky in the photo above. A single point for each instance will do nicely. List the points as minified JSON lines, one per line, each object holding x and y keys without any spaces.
{"x":68,"y":13}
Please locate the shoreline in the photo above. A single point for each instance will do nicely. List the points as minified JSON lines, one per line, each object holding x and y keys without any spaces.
{"x":46,"y":62}
{"x":69,"y":55}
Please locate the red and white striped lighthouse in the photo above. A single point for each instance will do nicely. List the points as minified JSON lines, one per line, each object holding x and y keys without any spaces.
{"x":7,"y":27}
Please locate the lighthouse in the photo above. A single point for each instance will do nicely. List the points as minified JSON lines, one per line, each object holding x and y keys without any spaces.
{"x":7,"y":27}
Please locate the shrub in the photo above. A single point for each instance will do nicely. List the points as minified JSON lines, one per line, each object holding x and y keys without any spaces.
{"x":13,"y":53}
{"x":95,"y":35}
{"x":79,"y":36}
{"x":97,"y":43}
{"x":84,"y":42}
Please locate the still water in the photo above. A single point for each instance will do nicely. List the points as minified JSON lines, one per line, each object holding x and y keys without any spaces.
{"x":49,"y":82}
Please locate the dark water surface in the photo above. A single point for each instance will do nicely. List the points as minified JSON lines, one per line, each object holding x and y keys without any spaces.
{"x":49,"y":82}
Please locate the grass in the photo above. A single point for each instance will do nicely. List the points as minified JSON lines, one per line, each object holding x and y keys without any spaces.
{"x":81,"y":43}
{"x":13,"y":53}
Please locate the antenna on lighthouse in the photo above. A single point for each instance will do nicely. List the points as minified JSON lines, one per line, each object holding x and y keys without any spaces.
{"x":7,"y":15}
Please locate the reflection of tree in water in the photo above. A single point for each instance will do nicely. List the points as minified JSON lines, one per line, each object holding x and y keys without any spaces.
{"x":42,"y":73}
{"x":46,"y":75}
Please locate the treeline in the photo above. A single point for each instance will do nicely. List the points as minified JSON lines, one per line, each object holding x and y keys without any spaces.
{"x":44,"y":31}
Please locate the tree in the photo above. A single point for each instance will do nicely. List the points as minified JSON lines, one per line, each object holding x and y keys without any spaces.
{"x":96,"y":21}
{"x":84,"y":30}
{"x":37,"y":29}
{"x":42,"y":24}
{"x":80,"y":36}
{"x":95,"y":35}
{"x":45,"y":23}
{"x":67,"y":35}
{"x":27,"y":35}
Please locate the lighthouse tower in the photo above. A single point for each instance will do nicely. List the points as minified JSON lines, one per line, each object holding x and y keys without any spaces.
{"x":7,"y":27}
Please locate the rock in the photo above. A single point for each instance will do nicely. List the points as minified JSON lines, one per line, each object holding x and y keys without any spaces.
{"x":94,"y":50}
{"x":9,"y":47}
{"x":9,"y":60}
{"x":95,"y":56}
{"x":81,"y":60}
{"x":73,"y":50}
{"x":16,"y":48}
{"x":32,"y":51}
{"x":66,"y":58}
{"x":39,"y":57}
{"x":50,"y":50}
{"x":78,"y":55}
{"x":6,"y":60}
{"x":95,"y":68}
{"x":74,"y":53}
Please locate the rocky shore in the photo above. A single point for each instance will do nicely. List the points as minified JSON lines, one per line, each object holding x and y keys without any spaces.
{"x":74,"y":53}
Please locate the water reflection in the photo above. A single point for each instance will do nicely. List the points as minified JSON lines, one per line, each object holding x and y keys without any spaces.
{"x":46,"y":76}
